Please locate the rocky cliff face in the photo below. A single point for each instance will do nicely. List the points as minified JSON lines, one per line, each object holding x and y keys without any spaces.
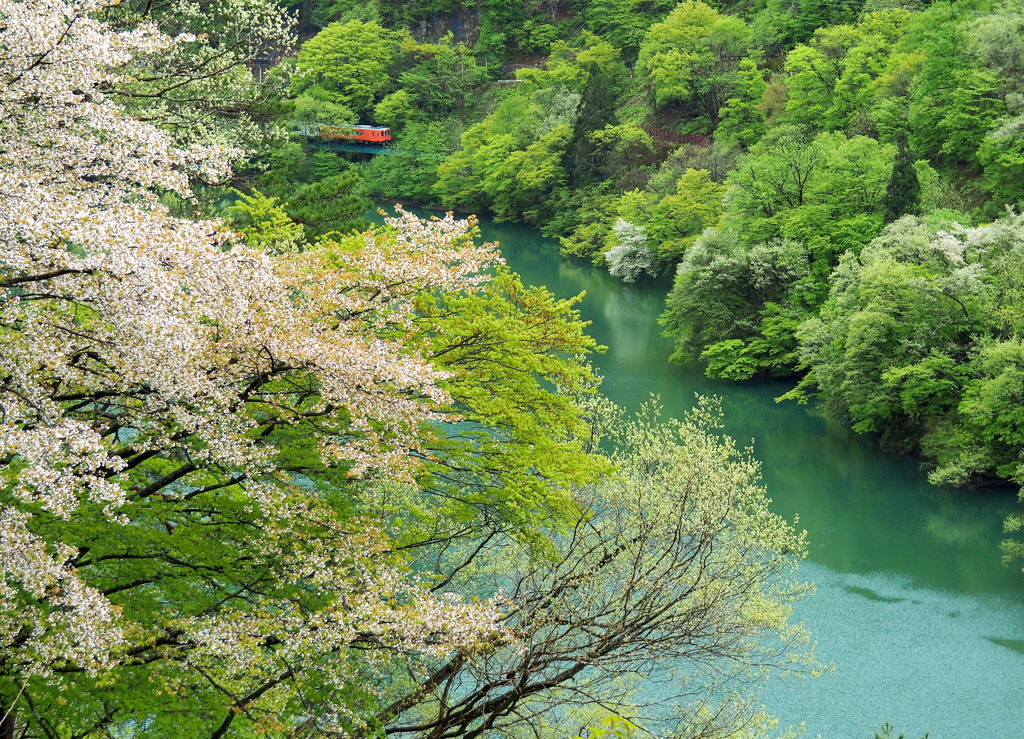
{"x":462,"y":23}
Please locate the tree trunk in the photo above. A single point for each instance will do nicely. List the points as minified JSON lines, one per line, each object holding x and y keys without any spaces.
{"x":7,"y":725}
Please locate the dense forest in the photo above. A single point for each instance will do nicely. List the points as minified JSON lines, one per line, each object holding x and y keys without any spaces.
{"x":266,"y":470}
{"x":842,"y":211}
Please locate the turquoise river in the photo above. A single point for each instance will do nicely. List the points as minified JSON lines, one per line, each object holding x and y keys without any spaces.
{"x":922,"y":622}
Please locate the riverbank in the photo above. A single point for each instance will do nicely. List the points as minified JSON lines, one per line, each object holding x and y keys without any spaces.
{"x":914,"y":607}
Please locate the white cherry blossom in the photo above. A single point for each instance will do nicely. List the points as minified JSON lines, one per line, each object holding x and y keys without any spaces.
{"x":128,"y":334}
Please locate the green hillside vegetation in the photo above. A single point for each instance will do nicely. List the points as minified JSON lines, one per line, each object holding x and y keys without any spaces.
{"x":268,"y":471}
{"x":829,"y":125}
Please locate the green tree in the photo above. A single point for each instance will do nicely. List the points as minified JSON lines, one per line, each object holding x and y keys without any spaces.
{"x":798,"y":203}
{"x":689,"y":57}
{"x":395,"y":109}
{"x":412,"y":176}
{"x":476,"y":173}
{"x":889,"y":349}
{"x":624,"y":23}
{"x":605,"y":75}
{"x":864,"y":63}
{"x":680,"y":217}
{"x":592,"y":225}
{"x":903,"y":193}
{"x":441,"y":78}
{"x":990,"y":420}
{"x":779,"y":25}
{"x":515,"y":161}
{"x":824,"y":192}
{"x":621,"y":151}
{"x":1001,"y":155}
{"x":528,"y":176}
{"x":742,"y":118}
{"x":264,"y":223}
{"x":349,"y":64}
{"x":813,"y":71}
{"x":664,"y":561}
{"x":954,"y":100}
{"x":332,"y":205}
{"x":313,"y":111}
{"x":504,"y":346}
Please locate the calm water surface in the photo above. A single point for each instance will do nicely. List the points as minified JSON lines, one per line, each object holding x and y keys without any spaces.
{"x":925,"y":627}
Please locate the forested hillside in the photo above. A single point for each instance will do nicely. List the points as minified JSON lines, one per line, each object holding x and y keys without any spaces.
{"x":278,"y":474}
{"x":268,"y":471}
{"x":832,"y":184}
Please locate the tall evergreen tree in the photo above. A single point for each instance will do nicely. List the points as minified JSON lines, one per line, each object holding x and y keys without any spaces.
{"x":903,"y":193}
{"x":596,"y":110}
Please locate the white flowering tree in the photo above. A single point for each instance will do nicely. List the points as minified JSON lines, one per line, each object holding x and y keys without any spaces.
{"x":203,"y":86}
{"x":629,"y":255}
{"x":185,"y":548}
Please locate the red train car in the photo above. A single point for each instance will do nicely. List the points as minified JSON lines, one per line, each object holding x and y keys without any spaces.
{"x":364,"y":134}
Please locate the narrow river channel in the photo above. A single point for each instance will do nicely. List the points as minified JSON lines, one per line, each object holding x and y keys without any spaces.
{"x":924,"y":625}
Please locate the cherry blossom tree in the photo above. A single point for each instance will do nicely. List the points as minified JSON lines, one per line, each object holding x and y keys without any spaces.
{"x":184,"y":420}
{"x":248,"y":484}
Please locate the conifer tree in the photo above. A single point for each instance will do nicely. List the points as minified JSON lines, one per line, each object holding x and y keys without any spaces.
{"x":903,"y":193}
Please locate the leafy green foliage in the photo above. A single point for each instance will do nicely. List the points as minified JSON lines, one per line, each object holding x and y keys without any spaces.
{"x":967,"y":96}
{"x":515,"y":160}
{"x":507,"y":348}
{"x":411,"y":177}
{"x":915,"y":344}
{"x":834,"y":77}
{"x":264,"y":224}
{"x":605,"y":77}
{"x":824,"y":191}
{"x":671,"y":222}
{"x":680,"y":217}
{"x":440,"y":78}
{"x":347,"y":64}
{"x":797,"y":204}
{"x":903,"y":193}
{"x":612,"y":727}
{"x":743,"y":118}
{"x":779,"y":25}
{"x":334,"y":204}
{"x":624,"y":23}
{"x":687,"y":57}
{"x":1001,"y":155}
{"x":899,"y":306}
